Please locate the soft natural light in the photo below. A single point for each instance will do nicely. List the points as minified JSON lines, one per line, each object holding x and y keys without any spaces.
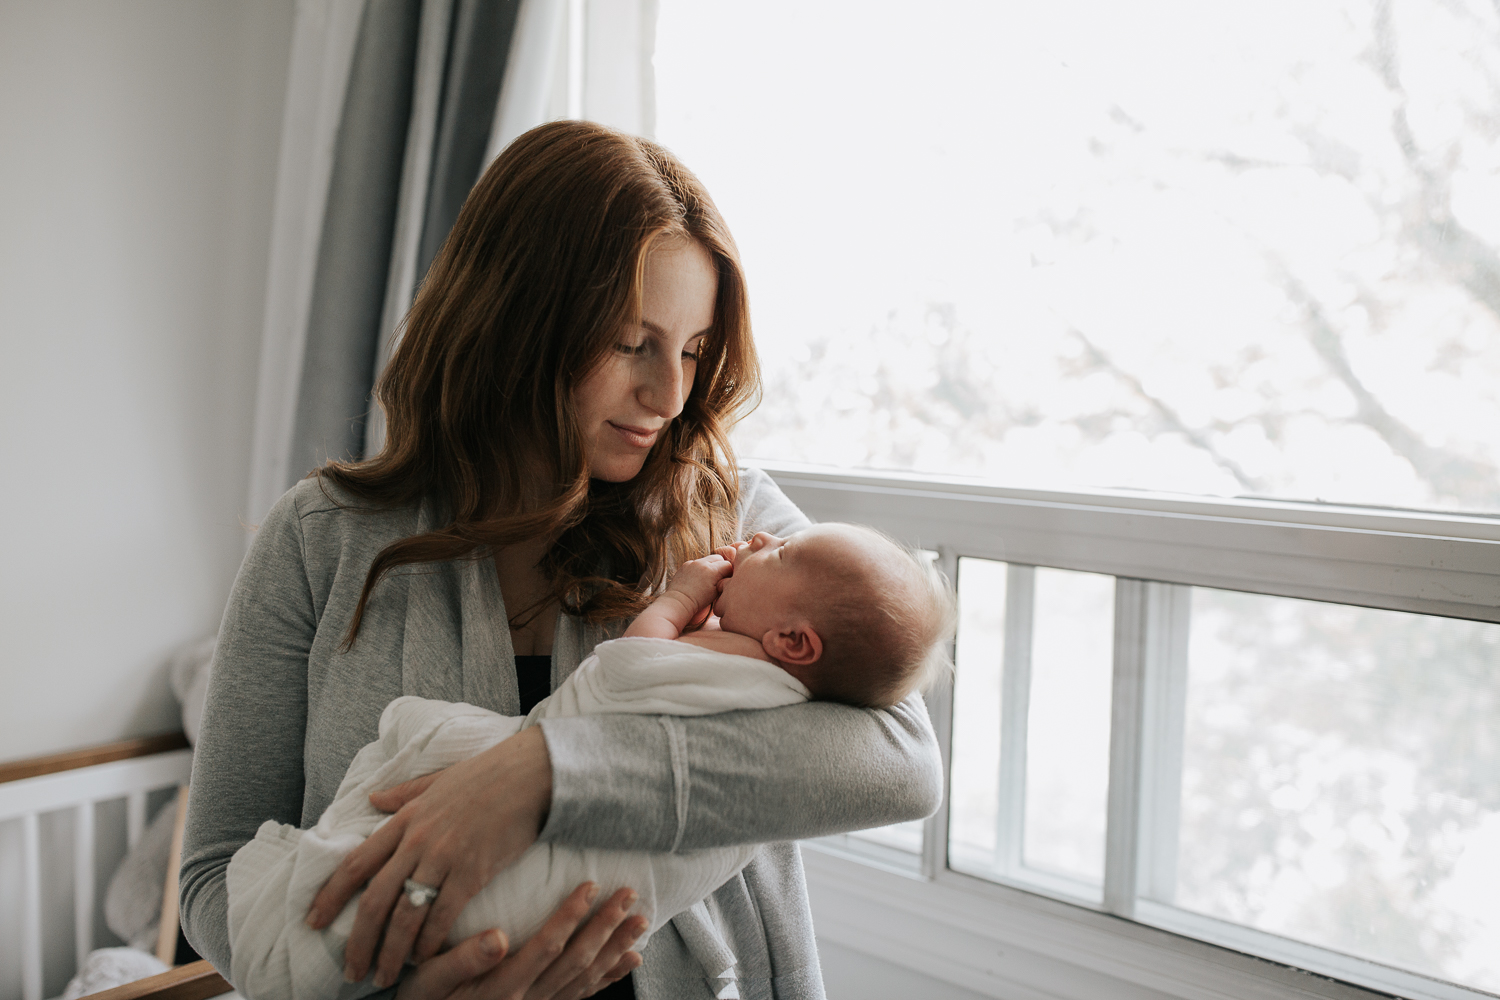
{"x":1233,"y":248}
{"x":1248,"y":248}
{"x":1340,"y":775}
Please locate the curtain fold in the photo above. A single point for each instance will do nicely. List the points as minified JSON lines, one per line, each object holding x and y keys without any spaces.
{"x":354,"y":253}
{"x":476,"y":63}
{"x":389,"y":113}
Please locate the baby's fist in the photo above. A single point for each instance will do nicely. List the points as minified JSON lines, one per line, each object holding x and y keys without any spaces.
{"x":731,"y":550}
{"x":699,"y":579}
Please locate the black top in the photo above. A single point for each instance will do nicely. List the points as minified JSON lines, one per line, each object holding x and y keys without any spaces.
{"x":534,"y":679}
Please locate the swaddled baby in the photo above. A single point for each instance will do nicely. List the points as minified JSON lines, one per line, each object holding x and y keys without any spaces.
{"x":835,"y":612}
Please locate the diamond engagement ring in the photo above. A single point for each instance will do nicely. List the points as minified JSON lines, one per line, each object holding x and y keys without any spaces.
{"x":419,"y":894}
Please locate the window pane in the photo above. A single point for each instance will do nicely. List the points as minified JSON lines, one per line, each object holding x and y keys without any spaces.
{"x":1341,"y":780}
{"x":1067,"y":750}
{"x":1007,"y":240}
{"x":906,"y":837}
{"x":1029,"y":779}
{"x":974,"y":791}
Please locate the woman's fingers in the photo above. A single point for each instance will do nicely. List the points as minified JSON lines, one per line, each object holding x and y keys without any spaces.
{"x":439,"y":977}
{"x":457,"y":830}
{"x":392,"y":799}
{"x":628,"y":963}
{"x":588,"y":954}
{"x":354,"y":871}
{"x":441,"y":917}
{"x":614,"y":961}
{"x":405,"y":924}
{"x":374,"y":910}
{"x":521,"y":971}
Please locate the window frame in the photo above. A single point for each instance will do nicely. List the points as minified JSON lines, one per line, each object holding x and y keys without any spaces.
{"x":1021,"y":933}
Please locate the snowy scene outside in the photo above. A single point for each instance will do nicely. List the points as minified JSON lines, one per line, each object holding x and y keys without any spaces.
{"x":1236,"y":249}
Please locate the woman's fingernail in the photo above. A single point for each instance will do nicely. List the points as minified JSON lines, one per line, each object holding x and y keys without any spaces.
{"x":384,"y":979}
{"x":349,"y":976}
{"x":492,"y":943}
{"x":630,"y":898}
{"x":312,"y":919}
{"x":593,"y":892}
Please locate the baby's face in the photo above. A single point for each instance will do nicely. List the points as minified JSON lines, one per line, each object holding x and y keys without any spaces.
{"x":774,"y":578}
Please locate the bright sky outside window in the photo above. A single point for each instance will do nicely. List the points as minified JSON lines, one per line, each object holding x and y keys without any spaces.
{"x":1236,"y":249}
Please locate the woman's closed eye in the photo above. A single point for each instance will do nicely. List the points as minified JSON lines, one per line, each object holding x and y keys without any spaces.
{"x":693,"y":352}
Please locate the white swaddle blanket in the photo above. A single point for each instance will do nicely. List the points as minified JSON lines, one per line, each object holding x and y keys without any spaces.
{"x":273,"y":878}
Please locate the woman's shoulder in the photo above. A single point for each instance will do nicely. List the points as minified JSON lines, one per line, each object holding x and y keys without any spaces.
{"x":326,"y":515}
{"x":764,"y":507}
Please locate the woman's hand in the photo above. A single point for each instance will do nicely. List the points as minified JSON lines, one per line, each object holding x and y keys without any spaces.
{"x":560,"y":962}
{"x":455,"y":830}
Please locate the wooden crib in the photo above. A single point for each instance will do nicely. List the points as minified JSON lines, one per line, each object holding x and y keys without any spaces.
{"x":78,"y":783}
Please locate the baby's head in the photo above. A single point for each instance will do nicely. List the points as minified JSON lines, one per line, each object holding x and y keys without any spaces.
{"x":853,"y":615}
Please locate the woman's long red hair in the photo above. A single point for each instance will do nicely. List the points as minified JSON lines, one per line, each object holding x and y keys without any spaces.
{"x":529,"y":294}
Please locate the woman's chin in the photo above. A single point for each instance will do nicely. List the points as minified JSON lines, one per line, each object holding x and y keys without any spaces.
{"x":617,"y":470}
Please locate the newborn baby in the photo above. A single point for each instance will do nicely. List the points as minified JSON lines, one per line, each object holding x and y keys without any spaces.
{"x":835,"y":612}
{"x":842,"y":608}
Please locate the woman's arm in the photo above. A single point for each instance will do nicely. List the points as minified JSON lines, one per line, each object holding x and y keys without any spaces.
{"x":657,"y":783}
{"x":668,"y":783}
{"x":248,"y":767}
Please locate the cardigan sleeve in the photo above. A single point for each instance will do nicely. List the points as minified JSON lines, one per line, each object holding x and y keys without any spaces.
{"x":248,"y":763}
{"x":663,"y":783}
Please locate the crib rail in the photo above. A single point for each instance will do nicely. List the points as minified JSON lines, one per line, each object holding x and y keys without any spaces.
{"x":77,"y":781}
{"x":194,"y":981}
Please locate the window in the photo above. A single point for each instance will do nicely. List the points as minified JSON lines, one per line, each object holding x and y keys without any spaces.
{"x":1172,"y":710}
{"x":1178,"y":327}
{"x":1244,"y":248}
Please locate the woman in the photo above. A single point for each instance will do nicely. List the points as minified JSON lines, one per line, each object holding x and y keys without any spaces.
{"x":556,"y":445}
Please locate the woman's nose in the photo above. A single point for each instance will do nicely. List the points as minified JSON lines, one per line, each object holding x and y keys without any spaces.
{"x":663,"y":390}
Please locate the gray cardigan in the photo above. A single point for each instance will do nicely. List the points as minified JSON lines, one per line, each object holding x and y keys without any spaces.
{"x":287,"y":711}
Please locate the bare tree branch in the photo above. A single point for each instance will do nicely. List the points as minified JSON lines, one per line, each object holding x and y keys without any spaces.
{"x":1167,"y":414}
{"x":1446,"y":472}
{"x":1464,"y":256}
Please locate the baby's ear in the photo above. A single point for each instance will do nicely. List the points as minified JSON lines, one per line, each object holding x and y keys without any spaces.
{"x":794,"y":646}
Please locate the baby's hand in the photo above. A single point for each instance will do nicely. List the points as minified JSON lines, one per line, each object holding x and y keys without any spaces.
{"x":698,"y":579}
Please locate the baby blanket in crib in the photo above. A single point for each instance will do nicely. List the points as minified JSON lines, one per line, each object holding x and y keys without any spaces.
{"x":273,"y":878}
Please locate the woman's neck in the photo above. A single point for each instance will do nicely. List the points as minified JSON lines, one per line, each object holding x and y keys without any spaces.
{"x":522,"y":586}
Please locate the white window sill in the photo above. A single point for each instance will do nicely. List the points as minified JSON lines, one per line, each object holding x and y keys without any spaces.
{"x":1004,"y":942}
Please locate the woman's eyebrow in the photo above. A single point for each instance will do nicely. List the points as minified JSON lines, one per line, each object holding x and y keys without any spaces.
{"x":661,"y":331}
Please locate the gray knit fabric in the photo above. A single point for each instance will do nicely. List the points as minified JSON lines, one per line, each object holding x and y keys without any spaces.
{"x":287,"y":711}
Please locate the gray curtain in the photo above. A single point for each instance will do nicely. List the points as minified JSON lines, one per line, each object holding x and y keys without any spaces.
{"x":371,"y":162}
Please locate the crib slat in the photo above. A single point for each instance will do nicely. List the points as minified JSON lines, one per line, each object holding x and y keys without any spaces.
{"x":83,"y":879}
{"x":31,"y":910}
{"x":135,"y":817}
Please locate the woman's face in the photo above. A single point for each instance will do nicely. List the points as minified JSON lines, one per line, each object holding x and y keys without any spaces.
{"x":625,"y":404}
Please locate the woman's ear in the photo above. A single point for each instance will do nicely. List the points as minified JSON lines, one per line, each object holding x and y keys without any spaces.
{"x":798,"y":645}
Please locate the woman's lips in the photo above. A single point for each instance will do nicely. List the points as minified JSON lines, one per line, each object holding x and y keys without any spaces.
{"x":636,"y":437}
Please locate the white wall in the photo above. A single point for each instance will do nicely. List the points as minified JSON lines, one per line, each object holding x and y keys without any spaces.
{"x":138,"y":148}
